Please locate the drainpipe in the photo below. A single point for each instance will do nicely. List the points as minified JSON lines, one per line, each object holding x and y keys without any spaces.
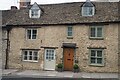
{"x":7,"y":49}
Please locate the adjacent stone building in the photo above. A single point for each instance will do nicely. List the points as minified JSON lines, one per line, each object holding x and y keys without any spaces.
{"x":41,"y":36}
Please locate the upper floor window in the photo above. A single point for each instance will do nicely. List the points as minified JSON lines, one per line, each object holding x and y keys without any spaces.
{"x":96,"y":57}
{"x":30,"y":55}
{"x":69,"y":31}
{"x":96,"y":32}
{"x":88,"y":9}
{"x":31,"y":33}
{"x":35,"y":11}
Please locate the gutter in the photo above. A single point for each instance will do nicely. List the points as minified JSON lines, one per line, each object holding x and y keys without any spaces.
{"x":67,"y":23}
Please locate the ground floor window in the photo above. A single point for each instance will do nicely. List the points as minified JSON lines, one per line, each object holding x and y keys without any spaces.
{"x":30,"y":55}
{"x":96,"y":57}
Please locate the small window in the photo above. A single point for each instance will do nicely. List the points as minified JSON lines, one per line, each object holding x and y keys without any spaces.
{"x":31,"y":33}
{"x":34,"y":13}
{"x":96,"y":57}
{"x":30,"y":55}
{"x":88,"y":9}
{"x":70,"y":31}
{"x":96,"y":32}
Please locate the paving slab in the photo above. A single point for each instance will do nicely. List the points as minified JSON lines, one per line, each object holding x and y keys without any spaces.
{"x":8,"y":71}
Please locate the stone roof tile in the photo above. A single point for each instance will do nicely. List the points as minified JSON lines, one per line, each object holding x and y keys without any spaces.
{"x":65,"y":13}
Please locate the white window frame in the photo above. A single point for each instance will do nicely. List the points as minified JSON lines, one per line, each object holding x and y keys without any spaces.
{"x":28,"y":54}
{"x":34,"y":16}
{"x":49,"y":50}
{"x":31,"y":38}
{"x":86,"y":11}
{"x":96,"y":64}
{"x":69,"y":31}
{"x":96,"y":32}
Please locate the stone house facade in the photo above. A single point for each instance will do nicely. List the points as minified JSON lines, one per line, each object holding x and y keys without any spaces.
{"x":87,"y":34}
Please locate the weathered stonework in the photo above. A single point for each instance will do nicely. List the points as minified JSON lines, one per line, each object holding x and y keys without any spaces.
{"x":4,"y":47}
{"x":54,"y":36}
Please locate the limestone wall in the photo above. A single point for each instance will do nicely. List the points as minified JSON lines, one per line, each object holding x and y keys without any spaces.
{"x":54,"y":36}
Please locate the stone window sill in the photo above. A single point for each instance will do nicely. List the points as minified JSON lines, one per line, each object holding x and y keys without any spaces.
{"x":97,"y":65}
{"x":69,"y":37}
{"x":96,"y":38}
{"x":30,"y":61}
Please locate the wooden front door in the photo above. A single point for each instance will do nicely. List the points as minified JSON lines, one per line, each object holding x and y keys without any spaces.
{"x":68,"y":59}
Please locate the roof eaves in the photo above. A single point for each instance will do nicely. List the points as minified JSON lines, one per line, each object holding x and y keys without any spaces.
{"x":117,"y":21}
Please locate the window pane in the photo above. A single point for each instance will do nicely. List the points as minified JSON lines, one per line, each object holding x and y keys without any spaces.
{"x":30,"y":52}
{"x":34,"y":33}
{"x":47,"y":54}
{"x":69,"y":28}
{"x":87,"y":11}
{"x":30,"y":57}
{"x":92,"y":32}
{"x":49,"y":58}
{"x":52,"y":58}
{"x":99,"y":32}
{"x":93,"y":52}
{"x":99,"y":53}
{"x":35,"y":53}
{"x":35,"y":58}
{"x":69,"y":31}
{"x":25,"y":57}
{"x":99,"y":60}
{"x":52,"y":54}
{"x":34,"y":12}
{"x":47,"y":51}
{"x":46,"y":58}
{"x":84,"y":10}
{"x":29,"y":31}
{"x":90,"y":11}
{"x":93,"y":60}
{"x":52,"y":51}
{"x":25,"y":53}
{"x":29,"y":34}
{"x":33,"y":36}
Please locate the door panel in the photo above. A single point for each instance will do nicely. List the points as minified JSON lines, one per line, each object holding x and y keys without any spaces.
{"x":68,"y":58}
{"x":49,"y":59}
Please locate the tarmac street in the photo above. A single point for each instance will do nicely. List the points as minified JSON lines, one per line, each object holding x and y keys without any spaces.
{"x":53,"y":79}
{"x":55,"y":74}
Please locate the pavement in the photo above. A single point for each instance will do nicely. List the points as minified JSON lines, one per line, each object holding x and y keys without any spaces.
{"x":56,"y":74}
